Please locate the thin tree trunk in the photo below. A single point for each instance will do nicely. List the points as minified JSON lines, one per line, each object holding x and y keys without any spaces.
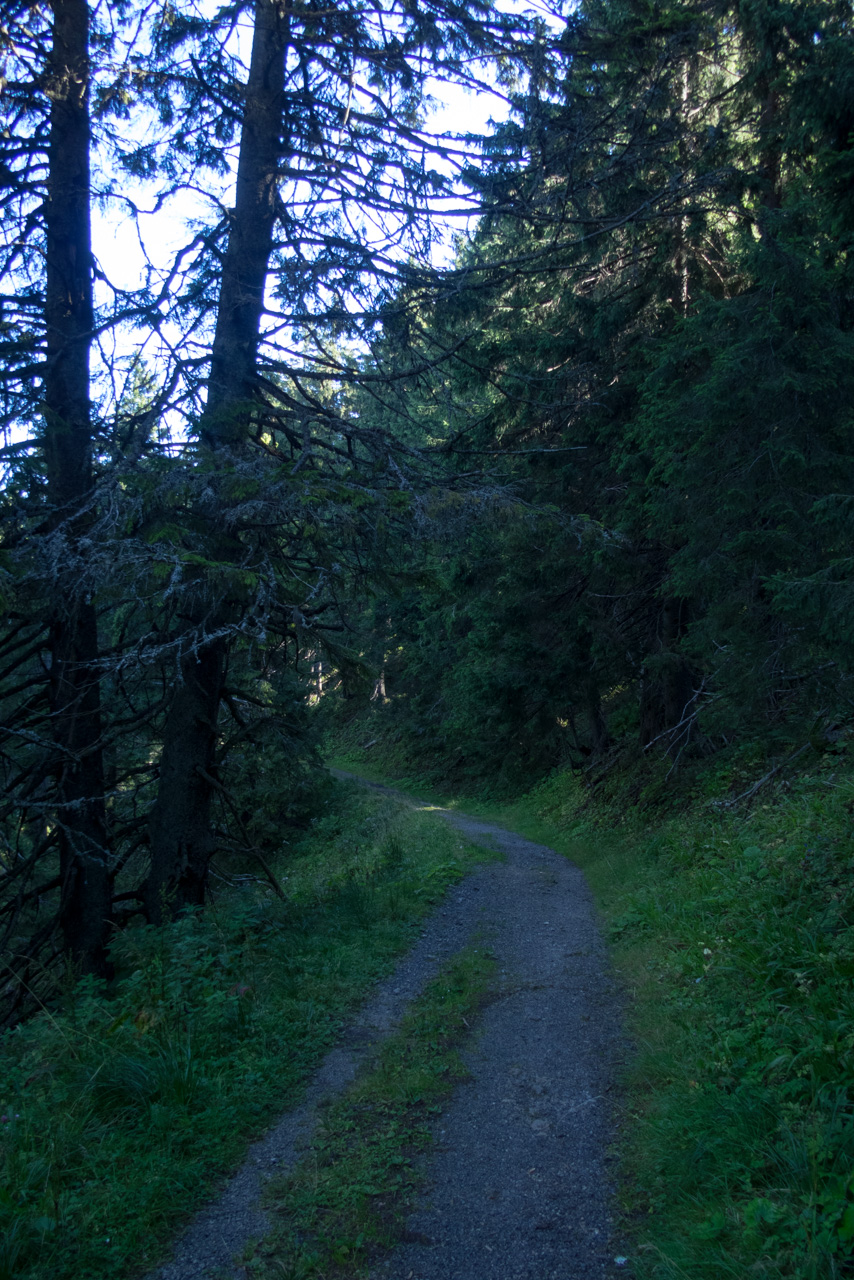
{"x":74,"y":687}
{"x":182,"y":838}
{"x":600,"y":738}
{"x":770,"y":159}
{"x":666,"y":697}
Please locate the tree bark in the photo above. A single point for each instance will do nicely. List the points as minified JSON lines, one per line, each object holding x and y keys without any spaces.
{"x":74,"y":677}
{"x":182,"y":838}
{"x":600,"y":738}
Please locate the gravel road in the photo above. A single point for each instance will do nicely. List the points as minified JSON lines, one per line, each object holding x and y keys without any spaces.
{"x":517,"y":1182}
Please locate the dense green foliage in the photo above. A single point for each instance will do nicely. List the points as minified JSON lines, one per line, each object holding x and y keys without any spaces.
{"x":583,"y":492}
{"x":190,"y":503}
{"x":655,"y":357}
{"x":574,"y":511}
{"x":746,"y":1152}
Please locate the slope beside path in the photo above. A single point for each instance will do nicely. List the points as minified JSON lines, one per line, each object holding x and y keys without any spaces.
{"x":517,"y":1183}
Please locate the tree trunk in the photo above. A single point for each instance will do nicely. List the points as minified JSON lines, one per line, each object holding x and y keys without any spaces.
{"x":231,"y":385}
{"x":182,"y":838}
{"x":74,"y":687}
{"x":668,"y":695}
{"x":600,"y":738}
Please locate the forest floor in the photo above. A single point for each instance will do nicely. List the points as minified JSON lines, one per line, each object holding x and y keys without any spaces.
{"x":516,"y":1184}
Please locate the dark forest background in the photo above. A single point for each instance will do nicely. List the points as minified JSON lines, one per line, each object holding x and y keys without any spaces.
{"x":654,"y":373}
{"x":582,"y":495}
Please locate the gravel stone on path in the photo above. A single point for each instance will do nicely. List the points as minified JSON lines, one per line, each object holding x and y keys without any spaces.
{"x":517,"y":1178}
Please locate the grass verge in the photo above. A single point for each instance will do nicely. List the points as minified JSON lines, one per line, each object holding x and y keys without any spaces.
{"x":348,"y":1197}
{"x":733,"y":931}
{"x":122,"y":1108}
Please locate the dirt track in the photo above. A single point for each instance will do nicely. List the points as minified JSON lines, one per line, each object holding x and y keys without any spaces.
{"x":517,"y":1184}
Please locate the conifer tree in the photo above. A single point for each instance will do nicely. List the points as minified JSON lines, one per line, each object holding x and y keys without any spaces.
{"x":643,"y":339}
{"x":332,"y":187}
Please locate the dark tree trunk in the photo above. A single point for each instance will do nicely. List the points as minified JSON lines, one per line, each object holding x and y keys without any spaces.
{"x":667,"y":695}
{"x":600,"y":738}
{"x":182,"y":838}
{"x":75,"y":693}
{"x":771,"y":151}
{"x":231,"y":385}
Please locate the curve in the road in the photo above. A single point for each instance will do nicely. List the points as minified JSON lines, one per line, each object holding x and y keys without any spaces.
{"x":517,"y":1183}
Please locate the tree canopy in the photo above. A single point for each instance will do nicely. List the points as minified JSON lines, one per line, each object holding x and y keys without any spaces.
{"x":578,"y":487}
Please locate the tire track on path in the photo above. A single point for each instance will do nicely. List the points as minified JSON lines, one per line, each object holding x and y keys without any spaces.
{"x":518,"y":1184}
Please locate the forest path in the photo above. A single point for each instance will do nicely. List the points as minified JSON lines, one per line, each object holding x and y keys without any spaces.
{"x":517,"y":1184}
{"x":517,"y":1180}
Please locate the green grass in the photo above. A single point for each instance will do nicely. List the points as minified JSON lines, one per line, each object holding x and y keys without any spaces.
{"x":348,"y":1198}
{"x":733,"y":931}
{"x":121,"y":1109}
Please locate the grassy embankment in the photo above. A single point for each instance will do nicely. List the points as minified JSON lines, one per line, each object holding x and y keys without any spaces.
{"x":733,"y":929}
{"x":120,"y":1109}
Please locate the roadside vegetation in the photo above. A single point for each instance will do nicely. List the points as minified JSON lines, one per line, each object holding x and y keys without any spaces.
{"x":732,"y":927}
{"x":123,"y":1105}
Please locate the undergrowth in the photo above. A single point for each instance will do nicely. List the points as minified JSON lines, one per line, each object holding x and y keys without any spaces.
{"x":733,"y":929}
{"x":348,"y":1197}
{"x":121,"y":1107}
